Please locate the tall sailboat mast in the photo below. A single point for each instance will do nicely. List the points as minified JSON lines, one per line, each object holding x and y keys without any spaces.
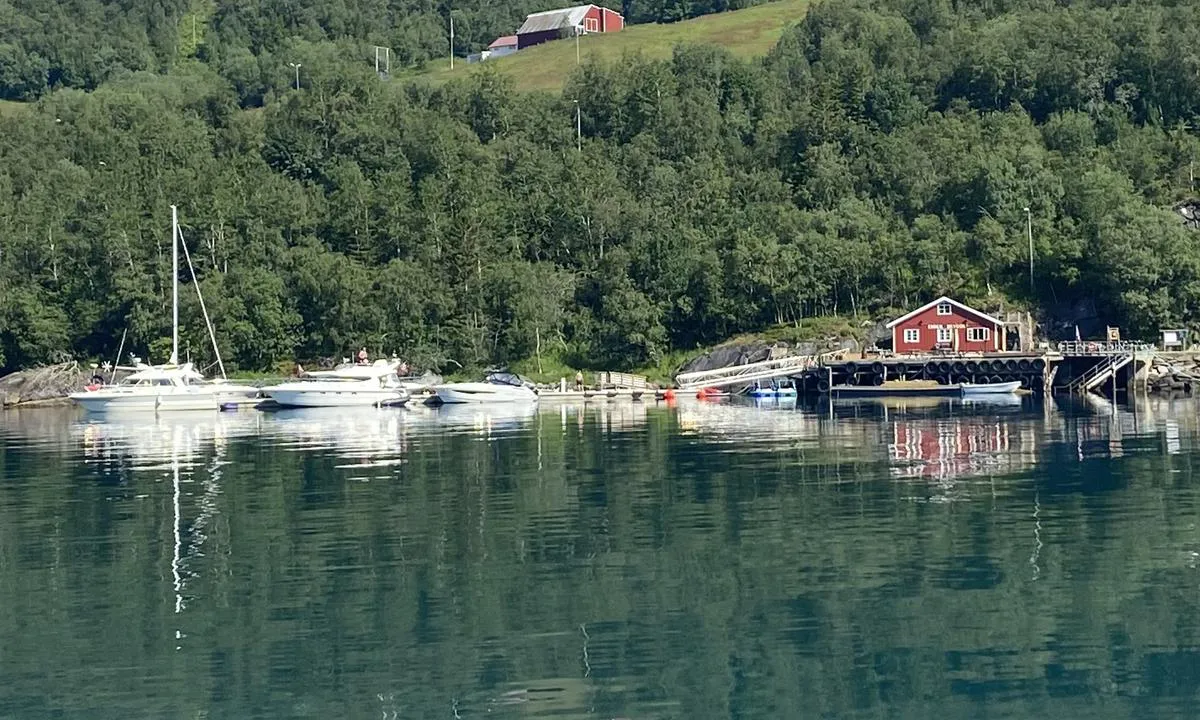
{"x":174,"y":285}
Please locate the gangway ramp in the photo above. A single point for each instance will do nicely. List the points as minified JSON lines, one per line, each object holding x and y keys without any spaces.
{"x":750,"y":372}
{"x":1101,"y":373}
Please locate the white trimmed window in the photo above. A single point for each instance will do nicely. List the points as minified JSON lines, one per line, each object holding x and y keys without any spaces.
{"x":912,"y":335}
{"x":945,"y":334}
{"x":977,"y":334}
{"x":945,"y":309}
{"x":591,"y":25}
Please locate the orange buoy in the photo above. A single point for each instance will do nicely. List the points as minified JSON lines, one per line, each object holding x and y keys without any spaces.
{"x":669,"y":394}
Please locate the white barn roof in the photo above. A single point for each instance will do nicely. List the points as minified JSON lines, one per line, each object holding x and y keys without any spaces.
{"x":939,"y":301}
{"x":554,"y":19}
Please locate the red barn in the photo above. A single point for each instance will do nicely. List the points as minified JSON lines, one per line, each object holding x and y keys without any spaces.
{"x":554,"y":24}
{"x":946,"y":324}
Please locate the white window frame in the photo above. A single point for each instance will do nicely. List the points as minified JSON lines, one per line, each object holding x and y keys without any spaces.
{"x":912,"y":335}
{"x":978,"y":334}
{"x":591,"y":25}
{"x":945,"y":309}
{"x":945,"y":335}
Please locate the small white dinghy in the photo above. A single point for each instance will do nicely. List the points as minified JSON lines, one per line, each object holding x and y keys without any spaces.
{"x":498,"y":387}
{"x":971,"y":390}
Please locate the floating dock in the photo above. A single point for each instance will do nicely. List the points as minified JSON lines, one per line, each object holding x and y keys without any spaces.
{"x":1074,"y":367}
{"x":855,"y":376}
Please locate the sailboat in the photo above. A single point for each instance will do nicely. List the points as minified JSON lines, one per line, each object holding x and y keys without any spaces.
{"x":173,"y":386}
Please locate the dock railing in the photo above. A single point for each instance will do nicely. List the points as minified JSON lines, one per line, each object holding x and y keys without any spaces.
{"x":623,"y":381}
{"x":1094,"y":347}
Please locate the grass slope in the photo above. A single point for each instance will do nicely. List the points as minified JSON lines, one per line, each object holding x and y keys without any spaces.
{"x":9,"y":108}
{"x":746,"y":33}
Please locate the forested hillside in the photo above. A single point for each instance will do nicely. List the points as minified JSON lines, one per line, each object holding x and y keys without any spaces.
{"x":79,"y":44}
{"x":884,"y":152}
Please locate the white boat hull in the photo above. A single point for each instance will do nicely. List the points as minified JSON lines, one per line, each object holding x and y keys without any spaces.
{"x":461,"y":393}
{"x":306,"y":398}
{"x":1006,"y":388}
{"x":104,"y":401}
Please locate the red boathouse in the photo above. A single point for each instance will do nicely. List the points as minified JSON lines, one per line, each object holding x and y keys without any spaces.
{"x":555,"y":24}
{"x":947,"y":325}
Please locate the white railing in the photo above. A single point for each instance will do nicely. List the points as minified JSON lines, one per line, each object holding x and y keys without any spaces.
{"x":624,"y":381}
{"x":750,"y":372}
{"x":745,"y":373}
{"x":1095,"y":347}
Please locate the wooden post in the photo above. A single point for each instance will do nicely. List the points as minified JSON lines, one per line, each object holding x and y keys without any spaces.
{"x":1114,"y":385}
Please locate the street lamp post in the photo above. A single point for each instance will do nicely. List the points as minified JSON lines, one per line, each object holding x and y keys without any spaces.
{"x":578,"y":127}
{"x":296,"y":67}
{"x":1029,"y":231}
{"x":577,"y":44}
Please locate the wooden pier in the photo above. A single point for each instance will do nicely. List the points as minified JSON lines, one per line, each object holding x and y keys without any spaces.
{"x":1072,"y":367}
{"x":1034,"y":372}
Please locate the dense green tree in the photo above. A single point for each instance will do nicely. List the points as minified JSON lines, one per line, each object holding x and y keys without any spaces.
{"x":884,"y":152}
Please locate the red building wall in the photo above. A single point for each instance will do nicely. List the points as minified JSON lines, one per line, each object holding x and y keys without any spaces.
{"x":954,"y":335}
{"x":608,"y":20}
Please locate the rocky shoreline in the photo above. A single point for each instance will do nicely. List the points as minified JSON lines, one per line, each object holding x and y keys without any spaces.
{"x":43,"y":386}
{"x":1174,"y":375}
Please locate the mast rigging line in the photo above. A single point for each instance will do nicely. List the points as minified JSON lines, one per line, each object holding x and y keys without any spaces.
{"x":203,"y":310}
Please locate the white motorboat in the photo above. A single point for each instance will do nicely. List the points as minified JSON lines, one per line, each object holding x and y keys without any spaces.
{"x":154,"y":388}
{"x":172,"y":386}
{"x":971,"y":390}
{"x":496,"y":388}
{"x":346,"y":386}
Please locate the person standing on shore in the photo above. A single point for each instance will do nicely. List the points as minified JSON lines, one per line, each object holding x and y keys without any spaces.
{"x":579,"y":380}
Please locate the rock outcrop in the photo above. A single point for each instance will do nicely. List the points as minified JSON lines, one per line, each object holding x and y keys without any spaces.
{"x":1189,"y":210}
{"x":744,"y":353}
{"x":1175,"y":376}
{"x":53,"y":382}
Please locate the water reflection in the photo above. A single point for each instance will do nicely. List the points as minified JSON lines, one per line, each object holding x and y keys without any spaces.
{"x":362,"y":437}
{"x":187,"y":454}
{"x":604,"y":561}
{"x":485,"y":419}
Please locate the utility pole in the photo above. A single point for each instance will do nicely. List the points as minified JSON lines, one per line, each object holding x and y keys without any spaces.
{"x":578,"y":127}
{"x":1029,"y":230}
{"x":296,"y":67}
{"x":451,"y":42}
{"x":576,"y":44}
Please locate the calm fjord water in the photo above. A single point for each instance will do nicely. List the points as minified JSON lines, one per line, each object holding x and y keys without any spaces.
{"x":865,"y":561}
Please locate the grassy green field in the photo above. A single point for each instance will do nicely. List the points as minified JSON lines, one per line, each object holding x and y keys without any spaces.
{"x":746,"y":33}
{"x":9,"y":108}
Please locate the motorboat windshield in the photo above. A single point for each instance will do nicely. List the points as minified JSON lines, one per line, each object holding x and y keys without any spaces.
{"x":377,"y":369}
{"x":148,"y":376}
{"x":507,"y":378}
